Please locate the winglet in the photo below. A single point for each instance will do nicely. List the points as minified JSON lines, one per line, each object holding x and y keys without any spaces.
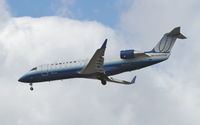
{"x":133,"y":80}
{"x":104,"y":44}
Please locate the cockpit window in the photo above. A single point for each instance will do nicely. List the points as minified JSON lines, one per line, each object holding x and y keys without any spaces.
{"x":34,"y":69}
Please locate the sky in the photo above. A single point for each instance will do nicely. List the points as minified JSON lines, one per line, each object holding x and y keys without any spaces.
{"x":104,"y":11}
{"x":48,"y":31}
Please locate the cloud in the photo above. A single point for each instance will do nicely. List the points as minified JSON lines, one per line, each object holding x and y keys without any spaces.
{"x":27,"y":42}
{"x":166,"y":93}
{"x":62,"y":8}
{"x":4,"y":14}
{"x":174,"y":87}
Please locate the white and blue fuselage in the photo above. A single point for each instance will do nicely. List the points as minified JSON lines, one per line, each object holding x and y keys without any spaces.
{"x":71,"y":69}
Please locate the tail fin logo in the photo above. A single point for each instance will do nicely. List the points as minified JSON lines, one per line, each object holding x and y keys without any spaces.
{"x":166,"y":44}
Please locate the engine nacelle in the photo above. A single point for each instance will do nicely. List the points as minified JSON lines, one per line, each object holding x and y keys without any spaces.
{"x":127,"y":54}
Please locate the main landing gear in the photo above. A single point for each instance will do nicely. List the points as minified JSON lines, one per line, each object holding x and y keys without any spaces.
{"x":31,"y":88}
{"x":103,"y":82}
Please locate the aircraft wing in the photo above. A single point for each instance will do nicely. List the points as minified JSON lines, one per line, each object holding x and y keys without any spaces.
{"x":110,"y":79}
{"x":95,"y":64}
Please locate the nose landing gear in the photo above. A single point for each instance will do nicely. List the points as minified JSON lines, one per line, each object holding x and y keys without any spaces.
{"x":31,"y":88}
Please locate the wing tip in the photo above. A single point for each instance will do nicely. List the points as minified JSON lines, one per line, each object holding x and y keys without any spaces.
{"x":104,"y":44}
{"x":133,"y":80}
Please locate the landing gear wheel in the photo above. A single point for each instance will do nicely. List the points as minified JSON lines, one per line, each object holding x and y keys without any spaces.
{"x":31,"y":88}
{"x":103,"y":82}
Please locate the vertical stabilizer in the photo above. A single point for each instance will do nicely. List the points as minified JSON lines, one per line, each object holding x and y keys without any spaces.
{"x":167,"y":42}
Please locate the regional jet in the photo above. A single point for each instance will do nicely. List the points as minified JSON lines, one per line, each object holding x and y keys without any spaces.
{"x":100,"y":69}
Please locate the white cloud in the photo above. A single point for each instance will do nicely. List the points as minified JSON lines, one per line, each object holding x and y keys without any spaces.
{"x":62,"y":8}
{"x":165,"y":94}
{"x":174,"y":82}
{"x":4,"y":14}
{"x":27,"y":42}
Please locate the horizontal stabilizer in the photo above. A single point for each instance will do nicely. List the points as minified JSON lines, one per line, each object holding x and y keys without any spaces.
{"x":176,"y":33}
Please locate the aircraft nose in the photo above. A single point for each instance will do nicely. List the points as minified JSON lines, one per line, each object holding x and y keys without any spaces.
{"x":22,"y":79}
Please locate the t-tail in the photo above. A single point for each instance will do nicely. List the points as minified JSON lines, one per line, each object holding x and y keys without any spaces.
{"x":167,"y":42}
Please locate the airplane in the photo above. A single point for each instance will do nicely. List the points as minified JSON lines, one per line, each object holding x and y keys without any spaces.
{"x":100,"y":69}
